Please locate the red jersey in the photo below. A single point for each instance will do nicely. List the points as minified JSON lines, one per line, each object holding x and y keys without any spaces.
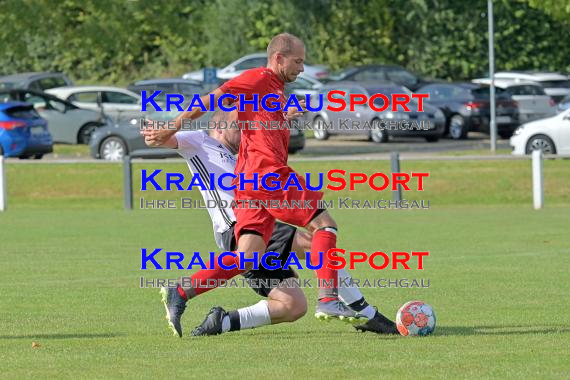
{"x":262,"y":150}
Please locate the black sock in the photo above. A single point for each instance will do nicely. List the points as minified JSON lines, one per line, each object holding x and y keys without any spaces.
{"x":234,"y":320}
{"x":359,"y":305}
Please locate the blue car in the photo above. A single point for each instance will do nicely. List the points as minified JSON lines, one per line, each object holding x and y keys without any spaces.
{"x":23,"y":133}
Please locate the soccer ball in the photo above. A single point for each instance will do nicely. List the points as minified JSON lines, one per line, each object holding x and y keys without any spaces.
{"x":415,"y":318}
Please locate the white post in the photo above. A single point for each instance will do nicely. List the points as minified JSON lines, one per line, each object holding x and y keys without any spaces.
{"x":3,"y":192}
{"x":492,"y":120}
{"x":537,"y":180}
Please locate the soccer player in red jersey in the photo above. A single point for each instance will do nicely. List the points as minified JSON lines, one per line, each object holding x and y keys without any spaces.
{"x":263,"y":151}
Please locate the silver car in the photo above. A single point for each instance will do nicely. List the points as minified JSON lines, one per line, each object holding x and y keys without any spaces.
{"x":532,"y":100}
{"x":67,"y":123}
{"x":377,"y":126}
{"x":251,"y":61}
{"x":115,"y":102}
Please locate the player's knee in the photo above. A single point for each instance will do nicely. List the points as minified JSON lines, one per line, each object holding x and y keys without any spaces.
{"x":297,"y":308}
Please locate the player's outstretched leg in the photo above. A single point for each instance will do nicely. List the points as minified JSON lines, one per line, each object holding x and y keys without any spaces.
{"x":329,"y":307}
{"x":284,"y":304}
{"x":175,"y":305}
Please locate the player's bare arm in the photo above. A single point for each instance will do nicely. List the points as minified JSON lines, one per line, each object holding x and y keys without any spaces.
{"x":158,"y":136}
{"x":171,"y":143}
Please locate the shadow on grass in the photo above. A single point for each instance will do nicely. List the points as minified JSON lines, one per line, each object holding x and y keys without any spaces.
{"x":63,"y":336}
{"x":500,"y":330}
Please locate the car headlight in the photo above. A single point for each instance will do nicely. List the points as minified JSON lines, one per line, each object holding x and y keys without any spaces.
{"x":394,"y":115}
{"x":518,"y":131}
{"x":439,"y":115}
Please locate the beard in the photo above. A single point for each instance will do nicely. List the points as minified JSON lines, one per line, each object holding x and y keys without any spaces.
{"x":291,"y":78}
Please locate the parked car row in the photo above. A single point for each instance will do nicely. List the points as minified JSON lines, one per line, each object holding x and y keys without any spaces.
{"x":77,"y":113}
{"x":326,"y":123}
{"x":113,"y":142}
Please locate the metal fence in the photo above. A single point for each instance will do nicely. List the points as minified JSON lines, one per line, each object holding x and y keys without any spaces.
{"x":536,"y":159}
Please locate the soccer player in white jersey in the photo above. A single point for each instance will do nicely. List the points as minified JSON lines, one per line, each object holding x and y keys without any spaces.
{"x":215,"y":154}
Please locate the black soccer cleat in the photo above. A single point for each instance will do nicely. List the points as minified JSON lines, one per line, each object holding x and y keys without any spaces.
{"x":212,"y":324}
{"x":380,"y":325}
{"x":175,"y":306}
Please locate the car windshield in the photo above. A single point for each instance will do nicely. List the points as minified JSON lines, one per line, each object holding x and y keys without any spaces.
{"x":389,"y":90}
{"x":443,"y":93}
{"x":555,"y":83}
{"x":339,"y":74}
{"x":7,"y":85}
{"x":164,"y":115}
{"x":484,"y":92}
{"x":174,"y":113}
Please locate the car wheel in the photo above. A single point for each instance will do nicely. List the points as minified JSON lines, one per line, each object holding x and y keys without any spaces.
{"x":319,"y":129}
{"x":540,"y":142}
{"x":457,"y":127}
{"x":378,"y":135}
{"x":84,"y":135}
{"x":432,"y":139}
{"x":112,"y":149}
{"x":38,"y":156}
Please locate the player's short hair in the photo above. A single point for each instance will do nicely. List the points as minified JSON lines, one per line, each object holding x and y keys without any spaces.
{"x":221,"y":117}
{"x":283,"y":43}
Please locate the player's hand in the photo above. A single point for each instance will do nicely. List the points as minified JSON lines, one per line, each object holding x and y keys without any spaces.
{"x":155,"y":135}
{"x":294,"y":113}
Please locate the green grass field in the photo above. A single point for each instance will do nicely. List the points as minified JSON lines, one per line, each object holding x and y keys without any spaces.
{"x":498,"y":272}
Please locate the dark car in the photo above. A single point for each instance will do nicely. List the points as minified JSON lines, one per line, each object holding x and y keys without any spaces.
{"x":185,"y":87}
{"x":114,"y":142}
{"x":38,"y":81}
{"x":377,"y":126}
{"x":375,"y":73}
{"x":23,"y":133}
{"x":467,"y":108}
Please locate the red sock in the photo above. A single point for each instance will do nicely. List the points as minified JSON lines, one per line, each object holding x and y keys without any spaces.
{"x":200,"y":278}
{"x":322,"y":242}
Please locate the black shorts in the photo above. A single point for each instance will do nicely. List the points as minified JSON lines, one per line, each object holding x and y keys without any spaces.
{"x":281,"y":242}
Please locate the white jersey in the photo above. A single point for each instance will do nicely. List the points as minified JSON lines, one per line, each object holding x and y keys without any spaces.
{"x":206,"y":155}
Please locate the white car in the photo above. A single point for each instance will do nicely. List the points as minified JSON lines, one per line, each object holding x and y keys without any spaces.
{"x":117,"y":103}
{"x":532,"y":100}
{"x":551,"y":135}
{"x":555,"y":85}
{"x":251,"y":61}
